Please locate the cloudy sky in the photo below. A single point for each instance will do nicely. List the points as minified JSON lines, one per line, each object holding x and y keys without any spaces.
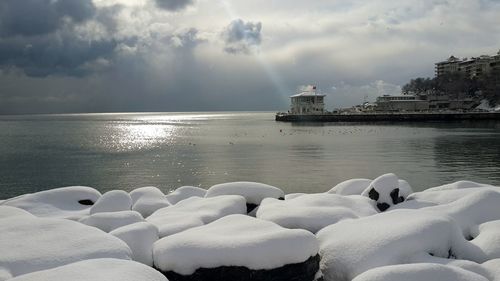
{"x":188,"y":55}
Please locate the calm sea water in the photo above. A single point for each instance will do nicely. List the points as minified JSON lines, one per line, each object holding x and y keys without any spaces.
{"x":168,"y":150}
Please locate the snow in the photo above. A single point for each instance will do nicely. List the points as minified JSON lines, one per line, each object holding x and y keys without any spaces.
{"x":185,"y":192}
{"x":419,"y":272}
{"x":195,"y":211}
{"x":351,"y":187}
{"x":140,"y":238}
{"x":96,"y":270}
{"x":253,"y":192}
{"x":56,"y":203}
{"x":112,"y":201}
{"x":235,"y":240}
{"x":487,"y":237}
{"x":386,"y":191}
{"x":315,"y":211}
{"x":7,"y":212}
{"x":112,"y":220}
{"x":32,"y":244}
{"x":146,"y":200}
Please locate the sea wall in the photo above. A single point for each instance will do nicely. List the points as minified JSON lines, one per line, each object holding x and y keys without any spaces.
{"x":390,"y":117}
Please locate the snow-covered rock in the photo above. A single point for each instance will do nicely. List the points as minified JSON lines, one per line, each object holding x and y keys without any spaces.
{"x":33,"y":244}
{"x":140,"y":238}
{"x":419,"y":272}
{"x":253,"y":192}
{"x":71,"y":202}
{"x":112,"y":201}
{"x":351,"y":187}
{"x":185,"y":192}
{"x":385,"y":191}
{"x":146,"y":200}
{"x":352,"y":247}
{"x":487,"y":237}
{"x":315,"y":211}
{"x":457,"y":185}
{"x":109,"y":221}
{"x":195,"y":211}
{"x":8,"y":211}
{"x":238,"y":245}
{"x":96,"y":270}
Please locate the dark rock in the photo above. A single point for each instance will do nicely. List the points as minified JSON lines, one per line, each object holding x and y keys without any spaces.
{"x":304,"y":271}
{"x":251,"y":207}
{"x":395,"y":195}
{"x":86,"y":202}
{"x":382,"y":206}
{"x":281,"y":198}
{"x":373,"y":194}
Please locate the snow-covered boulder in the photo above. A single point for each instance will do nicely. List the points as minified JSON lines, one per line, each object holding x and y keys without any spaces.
{"x":33,"y":244}
{"x":112,"y":201}
{"x":185,"y":192}
{"x":351,"y":187}
{"x":71,"y":202}
{"x":419,"y":272}
{"x":112,"y":220}
{"x":253,"y":192}
{"x":96,"y":270}
{"x":140,"y":238}
{"x":146,"y":200}
{"x":238,"y":247}
{"x":385,"y":190}
{"x":457,"y":185}
{"x":315,"y":211}
{"x":8,"y":211}
{"x":487,"y":237}
{"x":195,"y":211}
{"x":352,"y":247}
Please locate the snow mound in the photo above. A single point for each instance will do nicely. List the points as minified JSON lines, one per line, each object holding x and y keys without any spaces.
{"x":419,"y":272}
{"x":253,"y":192}
{"x":493,"y":268}
{"x":70,"y":202}
{"x":351,"y":187}
{"x":195,"y":211}
{"x":112,"y":220}
{"x":235,"y":240}
{"x":7,"y":212}
{"x":33,"y":244}
{"x":185,"y":192}
{"x":146,"y":200}
{"x":385,"y":190}
{"x":487,"y":237}
{"x":315,"y":211}
{"x":112,"y":201}
{"x":457,"y":185}
{"x":140,"y":238}
{"x":351,"y":247}
{"x":96,"y":270}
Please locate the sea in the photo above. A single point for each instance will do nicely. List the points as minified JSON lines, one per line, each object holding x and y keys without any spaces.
{"x":169,"y":150}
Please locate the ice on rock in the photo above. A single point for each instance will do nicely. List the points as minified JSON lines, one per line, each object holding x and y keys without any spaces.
{"x":352,"y":247}
{"x":71,"y":202}
{"x":140,"y":238}
{"x":315,"y":211}
{"x":385,"y":190}
{"x":33,"y":244}
{"x":195,"y":211}
{"x":234,"y":241}
{"x":185,"y":192}
{"x":419,"y":272}
{"x":112,"y":201}
{"x":96,"y":270}
{"x":8,"y":211}
{"x":253,"y":192}
{"x":146,"y":200}
{"x":351,"y":187}
{"x":112,"y":220}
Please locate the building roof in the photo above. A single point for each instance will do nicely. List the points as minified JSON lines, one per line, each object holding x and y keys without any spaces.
{"x":307,"y":94}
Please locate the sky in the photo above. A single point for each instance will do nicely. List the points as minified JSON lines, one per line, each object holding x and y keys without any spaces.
{"x":65,"y":56}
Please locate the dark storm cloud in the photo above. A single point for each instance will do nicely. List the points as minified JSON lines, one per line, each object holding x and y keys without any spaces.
{"x":240,"y":36}
{"x":37,"y":17}
{"x":173,"y":5}
{"x":40,"y":38}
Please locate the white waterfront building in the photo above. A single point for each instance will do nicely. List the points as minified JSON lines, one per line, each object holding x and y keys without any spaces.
{"x":308,"y":101}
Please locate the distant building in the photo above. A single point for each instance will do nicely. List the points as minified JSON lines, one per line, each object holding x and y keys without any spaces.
{"x":473,"y":67}
{"x":428,"y":101}
{"x":307,"y":102}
